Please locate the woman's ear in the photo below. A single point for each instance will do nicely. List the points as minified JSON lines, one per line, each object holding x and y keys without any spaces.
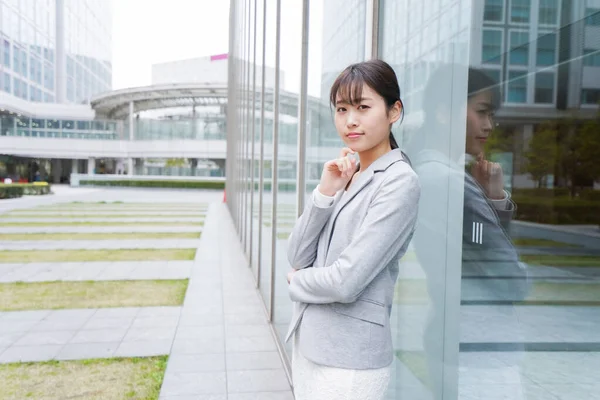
{"x":395,"y":112}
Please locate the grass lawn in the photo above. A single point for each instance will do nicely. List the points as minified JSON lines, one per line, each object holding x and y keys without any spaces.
{"x":562,"y":261}
{"x":29,"y":256}
{"x":100,"y":236}
{"x":20,"y":296}
{"x":105,"y":223}
{"x":96,"y":215}
{"x":414,"y":292}
{"x":540,"y":243}
{"x":95,"y":379}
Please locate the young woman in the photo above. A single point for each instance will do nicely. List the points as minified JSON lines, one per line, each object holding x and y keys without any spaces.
{"x":345,"y":247}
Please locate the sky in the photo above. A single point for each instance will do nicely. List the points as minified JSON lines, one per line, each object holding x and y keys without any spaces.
{"x":147,"y":32}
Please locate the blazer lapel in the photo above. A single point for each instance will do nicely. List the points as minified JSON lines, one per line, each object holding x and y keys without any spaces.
{"x":363,"y":180}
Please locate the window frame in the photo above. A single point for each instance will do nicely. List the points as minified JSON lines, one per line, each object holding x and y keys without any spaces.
{"x":502,"y":19}
{"x":502,"y":46}
{"x":509,"y":48}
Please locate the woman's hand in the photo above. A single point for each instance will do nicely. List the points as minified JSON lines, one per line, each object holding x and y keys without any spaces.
{"x":337,"y":173}
{"x":490,"y":177}
{"x":290,"y":275}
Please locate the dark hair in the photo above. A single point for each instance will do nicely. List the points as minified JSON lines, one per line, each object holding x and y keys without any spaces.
{"x":480,"y":82}
{"x":376,"y":74}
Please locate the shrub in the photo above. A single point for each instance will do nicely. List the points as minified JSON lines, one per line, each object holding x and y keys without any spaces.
{"x":557,"y":210}
{"x":14,"y":190}
{"x":179,"y":184}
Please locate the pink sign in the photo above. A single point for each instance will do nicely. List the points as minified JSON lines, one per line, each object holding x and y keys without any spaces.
{"x":218,"y":57}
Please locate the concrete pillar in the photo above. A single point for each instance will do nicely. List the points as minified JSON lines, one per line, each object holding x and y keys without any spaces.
{"x":131,"y":121}
{"x":56,"y":170}
{"x":75,"y":166}
{"x":91,"y":165}
{"x":60,"y":67}
{"x":130,"y":164}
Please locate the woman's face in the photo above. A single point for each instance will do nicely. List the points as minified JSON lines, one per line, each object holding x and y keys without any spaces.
{"x":480,"y":113}
{"x":365,"y":124}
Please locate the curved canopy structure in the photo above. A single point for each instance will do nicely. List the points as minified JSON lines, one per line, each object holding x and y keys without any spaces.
{"x":115,"y":104}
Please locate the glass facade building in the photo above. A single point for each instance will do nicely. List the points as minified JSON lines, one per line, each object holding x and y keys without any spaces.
{"x":55,"y":51}
{"x":494,"y":300}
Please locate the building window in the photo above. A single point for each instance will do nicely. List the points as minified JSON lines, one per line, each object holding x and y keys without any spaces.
{"x":519,"y":48}
{"x":493,"y":11}
{"x":517,"y":87}
{"x":592,"y":16}
{"x":590,"y":96}
{"x":520,"y":11}
{"x":491,"y":46}
{"x":548,"y":12}
{"x":546,"y":49}
{"x":544,"y":87}
{"x":6,"y":51}
{"x":5,"y":81}
{"x":591,"y":58}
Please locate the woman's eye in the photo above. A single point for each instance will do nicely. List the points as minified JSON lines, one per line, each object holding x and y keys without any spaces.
{"x":341,"y":109}
{"x":362,"y":107}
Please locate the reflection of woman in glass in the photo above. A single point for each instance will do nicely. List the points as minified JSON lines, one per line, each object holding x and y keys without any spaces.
{"x":492,"y":275}
{"x":346,"y":245}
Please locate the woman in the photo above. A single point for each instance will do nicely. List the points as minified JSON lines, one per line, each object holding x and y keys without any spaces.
{"x":345,"y":247}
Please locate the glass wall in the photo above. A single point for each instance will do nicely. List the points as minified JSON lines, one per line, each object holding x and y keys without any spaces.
{"x":499,"y":294}
{"x":31,"y":57}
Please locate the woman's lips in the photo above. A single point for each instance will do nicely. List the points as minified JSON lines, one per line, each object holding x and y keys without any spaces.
{"x":354,"y":135}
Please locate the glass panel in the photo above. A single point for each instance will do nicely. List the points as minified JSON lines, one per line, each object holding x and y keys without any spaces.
{"x":520,"y":11}
{"x":492,"y":47}
{"x":530,"y":290}
{"x":493,"y":10}
{"x":256,"y":142}
{"x":290,"y":59}
{"x":519,"y":48}
{"x":544,"y":87}
{"x":546,"y":50}
{"x":591,"y":58}
{"x":266,"y":225}
{"x":548,"y":12}
{"x":517,"y":86}
{"x":433,"y":80}
{"x":592,"y":16}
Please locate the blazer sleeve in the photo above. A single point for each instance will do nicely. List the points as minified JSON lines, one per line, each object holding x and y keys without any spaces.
{"x":304,"y":239}
{"x":384,"y":232}
{"x":495,"y":257}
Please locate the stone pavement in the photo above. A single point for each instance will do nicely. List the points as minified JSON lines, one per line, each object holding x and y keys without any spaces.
{"x":99,"y":244}
{"x":95,"y":271}
{"x":99,"y":229}
{"x":220,"y":343}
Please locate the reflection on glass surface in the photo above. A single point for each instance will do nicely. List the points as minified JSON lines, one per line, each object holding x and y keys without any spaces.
{"x":505,"y":143}
{"x":290,"y":59}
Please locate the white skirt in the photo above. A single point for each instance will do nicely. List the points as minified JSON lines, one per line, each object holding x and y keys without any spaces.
{"x":318,"y":382}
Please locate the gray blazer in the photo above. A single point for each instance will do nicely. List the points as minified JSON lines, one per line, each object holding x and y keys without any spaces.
{"x":347,"y":256}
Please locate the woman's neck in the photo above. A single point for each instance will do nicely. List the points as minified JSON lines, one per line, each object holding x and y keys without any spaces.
{"x":368,"y":157}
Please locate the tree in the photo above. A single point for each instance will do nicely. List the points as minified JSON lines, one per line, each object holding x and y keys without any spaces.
{"x":542,"y":155}
{"x":579,"y":149}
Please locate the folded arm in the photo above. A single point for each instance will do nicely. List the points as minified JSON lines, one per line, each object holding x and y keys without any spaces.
{"x":304,"y":239}
{"x":385,"y":231}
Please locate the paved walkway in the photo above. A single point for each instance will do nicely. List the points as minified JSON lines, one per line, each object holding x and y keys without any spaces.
{"x":99,"y":244}
{"x":102,"y":219}
{"x":95,"y":271}
{"x":220,"y":344}
{"x":99,"y":229}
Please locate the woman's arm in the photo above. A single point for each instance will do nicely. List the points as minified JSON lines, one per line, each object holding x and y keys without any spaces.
{"x":304,"y":239}
{"x":385,"y":231}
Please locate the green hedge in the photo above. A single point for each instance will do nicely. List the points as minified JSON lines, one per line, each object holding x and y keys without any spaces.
{"x":584,"y":194}
{"x":557,"y":211}
{"x":157,"y":184}
{"x":14,"y":190}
